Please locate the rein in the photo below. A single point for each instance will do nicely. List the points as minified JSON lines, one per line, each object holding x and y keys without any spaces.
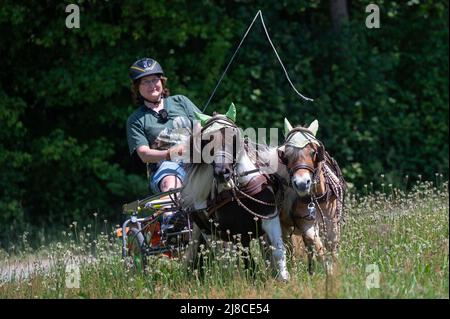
{"x":253,"y":187}
{"x":247,"y":194}
{"x":235,"y":189}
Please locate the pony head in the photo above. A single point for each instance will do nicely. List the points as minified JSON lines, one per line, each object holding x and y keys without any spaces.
{"x":302,"y":152}
{"x":220,"y":138}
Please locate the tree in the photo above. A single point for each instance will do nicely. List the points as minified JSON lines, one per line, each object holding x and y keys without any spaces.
{"x":338,"y":13}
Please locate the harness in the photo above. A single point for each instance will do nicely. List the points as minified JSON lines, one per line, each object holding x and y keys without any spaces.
{"x":255,"y":186}
{"x":335,"y":184}
{"x":238,"y":192}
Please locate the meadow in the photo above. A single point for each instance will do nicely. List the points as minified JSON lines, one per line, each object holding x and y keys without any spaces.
{"x":395,"y":244}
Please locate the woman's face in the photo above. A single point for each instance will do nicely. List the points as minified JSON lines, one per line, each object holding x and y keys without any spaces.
{"x":151,"y":87}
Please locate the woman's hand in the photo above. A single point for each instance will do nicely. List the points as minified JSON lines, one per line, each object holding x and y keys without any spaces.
{"x":176,"y":152}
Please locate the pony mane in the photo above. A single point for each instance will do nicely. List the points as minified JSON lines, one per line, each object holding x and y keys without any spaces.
{"x":258,"y":152}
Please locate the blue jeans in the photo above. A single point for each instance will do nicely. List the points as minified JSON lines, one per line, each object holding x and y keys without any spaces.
{"x":166,"y":168}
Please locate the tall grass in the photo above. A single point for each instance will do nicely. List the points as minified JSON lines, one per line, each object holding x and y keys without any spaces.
{"x":394,"y":245}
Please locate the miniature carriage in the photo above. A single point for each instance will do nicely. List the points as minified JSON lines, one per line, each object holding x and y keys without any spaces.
{"x":147,"y":231}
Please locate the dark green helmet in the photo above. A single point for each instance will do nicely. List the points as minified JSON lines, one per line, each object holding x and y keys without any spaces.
{"x":145,"y":67}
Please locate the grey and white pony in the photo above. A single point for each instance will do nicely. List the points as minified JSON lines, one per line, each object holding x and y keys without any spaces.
{"x":231,"y":190}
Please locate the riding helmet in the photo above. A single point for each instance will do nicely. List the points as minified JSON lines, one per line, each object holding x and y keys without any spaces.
{"x":145,"y":67}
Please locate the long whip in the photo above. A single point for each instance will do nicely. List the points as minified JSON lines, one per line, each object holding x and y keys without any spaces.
{"x":259,"y":13}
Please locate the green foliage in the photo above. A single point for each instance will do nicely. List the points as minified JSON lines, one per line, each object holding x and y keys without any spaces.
{"x":380,"y":94}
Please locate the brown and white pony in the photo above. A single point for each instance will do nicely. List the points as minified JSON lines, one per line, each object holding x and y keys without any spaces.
{"x":313,"y":194}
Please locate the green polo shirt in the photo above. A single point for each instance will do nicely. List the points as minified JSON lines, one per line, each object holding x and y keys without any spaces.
{"x":145,"y":128}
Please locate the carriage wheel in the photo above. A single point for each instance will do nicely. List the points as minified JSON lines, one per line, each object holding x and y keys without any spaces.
{"x":137,"y":249}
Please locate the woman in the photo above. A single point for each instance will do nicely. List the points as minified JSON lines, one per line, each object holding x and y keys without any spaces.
{"x":157,"y":128}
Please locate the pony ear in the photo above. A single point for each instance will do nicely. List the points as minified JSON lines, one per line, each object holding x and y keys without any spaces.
{"x":313,"y":127}
{"x":231,"y":113}
{"x":281,"y":155}
{"x":203,"y":118}
{"x":287,"y":127}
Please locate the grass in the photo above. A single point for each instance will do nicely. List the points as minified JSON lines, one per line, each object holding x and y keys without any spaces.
{"x":402,"y":237}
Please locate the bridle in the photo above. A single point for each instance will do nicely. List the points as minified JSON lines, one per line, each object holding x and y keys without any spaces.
{"x":298,"y":166}
{"x":318,"y":157}
{"x":315,"y":175}
{"x":227,"y":124}
{"x":313,"y":198}
{"x":233,"y":177}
